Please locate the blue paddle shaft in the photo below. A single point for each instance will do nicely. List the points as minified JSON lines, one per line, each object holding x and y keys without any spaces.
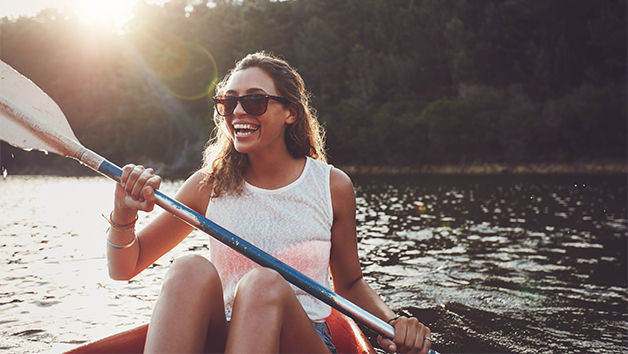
{"x":262,"y":258}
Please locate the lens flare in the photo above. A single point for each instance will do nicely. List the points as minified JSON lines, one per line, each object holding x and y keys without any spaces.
{"x":187,"y":70}
{"x":199,"y":77}
{"x":162,"y":52}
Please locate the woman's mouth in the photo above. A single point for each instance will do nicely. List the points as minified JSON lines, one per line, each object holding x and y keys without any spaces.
{"x":244,"y":130}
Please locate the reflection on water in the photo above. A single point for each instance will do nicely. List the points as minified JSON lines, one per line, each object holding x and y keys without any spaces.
{"x":491,"y":264}
{"x":54,"y":287}
{"x":502,"y":264}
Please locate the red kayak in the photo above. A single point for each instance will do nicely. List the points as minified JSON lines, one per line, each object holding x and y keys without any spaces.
{"x":346,"y":337}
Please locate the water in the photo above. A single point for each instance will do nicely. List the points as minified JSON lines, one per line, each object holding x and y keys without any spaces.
{"x":502,"y":264}
{"x":521,"y":264}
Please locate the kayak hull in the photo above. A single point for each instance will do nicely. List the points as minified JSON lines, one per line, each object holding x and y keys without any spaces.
{"x":346,"y":337}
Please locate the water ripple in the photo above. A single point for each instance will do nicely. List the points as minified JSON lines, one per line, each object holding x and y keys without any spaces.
{"x":520,"y":264}
{"x":515,"y":264}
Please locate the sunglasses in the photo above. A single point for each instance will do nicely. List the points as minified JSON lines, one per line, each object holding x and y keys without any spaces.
{"x":255,"y":104}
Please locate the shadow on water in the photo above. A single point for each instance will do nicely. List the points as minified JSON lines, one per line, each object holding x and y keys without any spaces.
{"x":501,"y":263}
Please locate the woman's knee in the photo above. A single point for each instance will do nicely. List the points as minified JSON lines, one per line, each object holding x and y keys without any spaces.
{"x":192,"y":272}
{"x":263,"y":284}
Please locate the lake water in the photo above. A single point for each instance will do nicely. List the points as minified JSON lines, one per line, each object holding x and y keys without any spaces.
{"x":522,"y":264}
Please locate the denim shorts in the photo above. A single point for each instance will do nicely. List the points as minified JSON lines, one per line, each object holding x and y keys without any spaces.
{"x":323,"y":330}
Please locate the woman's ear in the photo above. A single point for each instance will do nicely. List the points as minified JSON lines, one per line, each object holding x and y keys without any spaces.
{"x":293,"y":113}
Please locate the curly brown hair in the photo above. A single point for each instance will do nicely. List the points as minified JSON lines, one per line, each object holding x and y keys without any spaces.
{"x":224,"y":165}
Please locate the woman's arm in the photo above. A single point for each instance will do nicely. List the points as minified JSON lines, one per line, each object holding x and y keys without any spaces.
{"x":345,"y":265}
{"x":136,"y":192}
{"x":347,"y":274}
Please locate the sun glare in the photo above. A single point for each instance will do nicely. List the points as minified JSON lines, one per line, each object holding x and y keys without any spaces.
{"x":107,"y":14}
{"x":101,"y":13}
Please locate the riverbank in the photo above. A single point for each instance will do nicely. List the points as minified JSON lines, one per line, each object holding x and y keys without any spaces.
{"x":494,"y":168}
{"x":58,"y":166}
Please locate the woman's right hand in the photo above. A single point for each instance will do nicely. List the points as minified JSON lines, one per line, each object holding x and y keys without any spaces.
{"x":136,"y":191}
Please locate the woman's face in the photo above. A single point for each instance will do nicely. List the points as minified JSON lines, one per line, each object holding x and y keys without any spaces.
{"x":257,"y":134}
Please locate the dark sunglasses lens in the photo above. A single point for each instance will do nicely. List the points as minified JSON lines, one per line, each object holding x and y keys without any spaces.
{"x":255,"y":105}
{"x":225,"y":105}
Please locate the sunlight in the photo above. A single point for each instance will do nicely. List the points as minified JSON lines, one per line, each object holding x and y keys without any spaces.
{"x":106,"y":14}
{"x":111,"y":13}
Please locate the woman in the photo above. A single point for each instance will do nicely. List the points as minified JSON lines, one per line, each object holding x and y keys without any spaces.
{"x":265,"y":178}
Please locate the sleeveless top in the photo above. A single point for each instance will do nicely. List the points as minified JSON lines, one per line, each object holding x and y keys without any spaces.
{"x":292,"y":223}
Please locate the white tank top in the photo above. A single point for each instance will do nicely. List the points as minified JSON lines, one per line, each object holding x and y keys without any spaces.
{"x":292,"y":223}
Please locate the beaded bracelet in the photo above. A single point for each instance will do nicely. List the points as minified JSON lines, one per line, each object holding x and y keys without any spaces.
{"x":120,"y":227}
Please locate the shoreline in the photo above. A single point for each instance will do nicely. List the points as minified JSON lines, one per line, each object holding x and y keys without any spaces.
{"x":493,"y":169}
{"x":545,"y":168}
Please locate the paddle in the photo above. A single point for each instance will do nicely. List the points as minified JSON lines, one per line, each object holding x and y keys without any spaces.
{"x":32,"y":120}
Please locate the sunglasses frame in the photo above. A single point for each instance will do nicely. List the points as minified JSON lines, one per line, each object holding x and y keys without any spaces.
{"x":253,"y":97}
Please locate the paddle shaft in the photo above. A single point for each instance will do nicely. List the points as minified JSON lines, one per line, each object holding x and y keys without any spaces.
{"x":255,"y":254}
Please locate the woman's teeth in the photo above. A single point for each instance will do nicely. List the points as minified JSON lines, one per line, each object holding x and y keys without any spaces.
{"x":244,"y":129}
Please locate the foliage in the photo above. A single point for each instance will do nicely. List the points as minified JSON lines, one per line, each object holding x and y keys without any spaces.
{"x":395,"y":82}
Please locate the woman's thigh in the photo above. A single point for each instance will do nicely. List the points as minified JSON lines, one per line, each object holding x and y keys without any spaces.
{"x":189,"y":314}
{"x":267,"y":317}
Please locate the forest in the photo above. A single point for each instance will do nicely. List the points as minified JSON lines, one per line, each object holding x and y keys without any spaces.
{"x":394,"y":82}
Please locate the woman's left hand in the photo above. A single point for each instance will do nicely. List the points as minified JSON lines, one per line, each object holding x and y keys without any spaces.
{"x":411,"y":336}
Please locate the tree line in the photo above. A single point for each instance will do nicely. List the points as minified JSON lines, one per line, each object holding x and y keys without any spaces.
{"x":395,"y":82}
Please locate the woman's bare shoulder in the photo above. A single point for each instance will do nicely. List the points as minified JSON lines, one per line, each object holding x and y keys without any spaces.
{"x":342,"y":193}
{"x":195,"y":192}
{"x":340,"y":181}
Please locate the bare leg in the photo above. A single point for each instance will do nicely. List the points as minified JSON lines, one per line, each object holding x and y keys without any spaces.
{"x":189,"y":315}
{"x":268,"y":318}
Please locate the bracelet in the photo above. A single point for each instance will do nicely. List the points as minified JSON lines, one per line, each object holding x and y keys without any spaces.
{"x":118,"y":247}
{"x":393,"y":319}
{"x":120,"y":227}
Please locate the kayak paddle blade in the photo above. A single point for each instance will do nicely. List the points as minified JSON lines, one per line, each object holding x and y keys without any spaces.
{"x":30,"y":119}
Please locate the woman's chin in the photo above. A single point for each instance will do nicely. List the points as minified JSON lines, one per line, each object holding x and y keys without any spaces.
{"x":241,"y":147}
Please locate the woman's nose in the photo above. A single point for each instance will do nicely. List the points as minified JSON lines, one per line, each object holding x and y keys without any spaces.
{"x":239,"y":110}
